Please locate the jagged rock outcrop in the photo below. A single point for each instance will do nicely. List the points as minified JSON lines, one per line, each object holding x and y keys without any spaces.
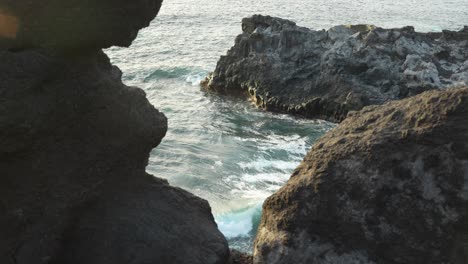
{"x":389,"y":185}
{"x":325,"y":74}
{"x":74,"y":144}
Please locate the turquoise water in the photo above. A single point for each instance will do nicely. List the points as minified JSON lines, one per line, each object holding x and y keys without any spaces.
{"x":223,"y":149}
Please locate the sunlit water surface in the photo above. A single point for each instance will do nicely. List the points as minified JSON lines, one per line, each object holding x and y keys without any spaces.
{"x":223,"y":149}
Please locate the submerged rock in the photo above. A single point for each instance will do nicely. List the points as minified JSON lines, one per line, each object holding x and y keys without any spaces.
{"x":389,"y":185}
{"x":74,"y":144}
{"x":325,"y":74}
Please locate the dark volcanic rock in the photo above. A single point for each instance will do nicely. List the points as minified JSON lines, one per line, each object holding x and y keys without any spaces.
{"x":74,"y":144}
{"x":324,"y":74}
{"x":389,"y":185}
{"x":73,"y":24}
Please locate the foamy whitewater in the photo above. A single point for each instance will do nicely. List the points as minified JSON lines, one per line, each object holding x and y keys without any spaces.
{"x":223,"y":149}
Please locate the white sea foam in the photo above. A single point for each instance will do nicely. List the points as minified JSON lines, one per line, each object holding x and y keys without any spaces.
{"x":238,"y":223}
{"x":278,"y":178}
{"x":255,"y":195}
{"x":195,"y":78}
{"x":293,"y":144}
{"x":262,"y":164}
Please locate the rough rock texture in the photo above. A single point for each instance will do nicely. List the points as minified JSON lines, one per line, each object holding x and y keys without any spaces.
{"x":238,"y":257}
{"x":389,"y":185}
{"x":324,"y":74}
{"x":73,"y":24}
{"x":74,"y":144}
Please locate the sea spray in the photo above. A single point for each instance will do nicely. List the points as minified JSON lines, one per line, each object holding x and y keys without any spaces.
{"x":240,"y":226}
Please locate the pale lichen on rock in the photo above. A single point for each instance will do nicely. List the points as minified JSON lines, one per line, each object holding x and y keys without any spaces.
{"x":285,"y":68}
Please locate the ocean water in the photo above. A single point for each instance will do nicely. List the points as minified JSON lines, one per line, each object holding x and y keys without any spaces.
{"x":224,"y":149}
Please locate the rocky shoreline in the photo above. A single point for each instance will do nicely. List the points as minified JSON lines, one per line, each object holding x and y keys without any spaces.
{"x":388,"y":185}
{"x":322,"y":74}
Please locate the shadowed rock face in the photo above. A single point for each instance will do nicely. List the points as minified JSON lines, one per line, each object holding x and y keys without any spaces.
{"x":77,"y":24}
{"x":324,"y":74}
{"x":74,"y":144}
{"x":389,"y":185}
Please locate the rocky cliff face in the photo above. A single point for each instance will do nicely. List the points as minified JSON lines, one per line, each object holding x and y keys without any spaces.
{"x":75,"y":141}
{"x":389,"y":185}
{"x":324,"y":74}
